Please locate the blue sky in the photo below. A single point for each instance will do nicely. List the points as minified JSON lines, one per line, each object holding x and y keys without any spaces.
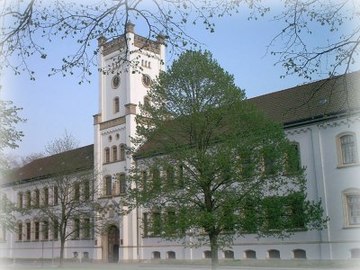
{"x":54,"y":104}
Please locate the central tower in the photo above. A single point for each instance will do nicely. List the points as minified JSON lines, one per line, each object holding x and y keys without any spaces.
{"x":127,"y":66}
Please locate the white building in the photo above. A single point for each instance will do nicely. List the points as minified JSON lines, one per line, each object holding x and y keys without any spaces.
{"x":323,"y":118}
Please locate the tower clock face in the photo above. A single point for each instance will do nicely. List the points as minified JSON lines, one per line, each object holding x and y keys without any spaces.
{"x":146,"y":80}
{"x":115,"y":82}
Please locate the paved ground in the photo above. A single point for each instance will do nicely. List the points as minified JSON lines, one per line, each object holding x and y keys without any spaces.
{"x":306,"y":265}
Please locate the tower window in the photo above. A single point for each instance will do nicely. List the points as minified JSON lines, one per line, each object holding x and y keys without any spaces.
{"x":108,"y":185}
{"x":122,"y":180}
{"x":116,"y":105}
{"x":115,"y":82}
{"x":114,"y":153}
{"x":107,"y":155}
{"x":122,"y":152}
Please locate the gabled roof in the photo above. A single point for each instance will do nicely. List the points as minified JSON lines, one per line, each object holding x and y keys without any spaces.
{"x":316,"y":101}
{"x":68,"y":162}
{"x":313,"y":101}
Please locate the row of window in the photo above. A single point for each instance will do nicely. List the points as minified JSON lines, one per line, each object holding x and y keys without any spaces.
{"x":115,"y":153}
{"x":51,"y":196}
{"x":229,"y":254}
{"x":37,"y":230}
{"x":114,"y":186}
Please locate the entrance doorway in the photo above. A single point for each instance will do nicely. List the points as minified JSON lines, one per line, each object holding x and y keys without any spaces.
{"x":113,"y":244}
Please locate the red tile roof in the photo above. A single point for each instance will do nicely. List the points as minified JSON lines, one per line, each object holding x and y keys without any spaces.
{"x":67,"y":162}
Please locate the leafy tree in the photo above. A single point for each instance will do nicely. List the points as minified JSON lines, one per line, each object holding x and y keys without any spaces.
{"x":210,"y":159}
{"x":9,"y":137}
{"x":64,"y":201}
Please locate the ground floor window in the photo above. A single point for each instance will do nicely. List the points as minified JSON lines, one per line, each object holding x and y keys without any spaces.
{"x":171,"y":255}
{"x":156,"y":255}
{"x":250,"y":254}
{"x":355,"y":253}
{"x":274,"y":254}
{"x":299,"y":254}
{"x":229,"y":254}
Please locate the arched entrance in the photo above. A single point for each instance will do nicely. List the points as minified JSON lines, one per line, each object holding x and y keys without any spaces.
{"x":111,"y":244}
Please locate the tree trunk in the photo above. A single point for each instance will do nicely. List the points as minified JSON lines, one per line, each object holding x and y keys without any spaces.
{"x":214,"y":250}
{"x":62,"y":247}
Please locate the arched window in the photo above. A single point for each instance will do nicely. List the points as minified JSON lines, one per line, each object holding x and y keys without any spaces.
{"x":108,"y":185}
{"x":107,"y":155}
{"x":229,"y":254}
{"x":351,"y":198}
{"x":273,"y":254}
{"x":122,"y":152}
{"x":299,"y":254}
{"x":122,"y":180}
{"x":19,"y":231}
{"x":171,"y":255}
{"x":207,"y":254}
{"x":116,"y":105}
{"x":146,"y":101}
{"x":114,"y":153}
{"x":347,"y":151}
{"x":250,"y":254}
{"x":156,"y":255}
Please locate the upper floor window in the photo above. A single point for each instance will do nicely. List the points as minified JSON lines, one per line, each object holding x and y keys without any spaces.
{"x":37,"y":198}
{"x":116,"y":105}
{"x":107,"y":155}
{"x":347,"y":152}
{"x":55,"y":195}
{"x":108,"y":185}
{"x":352,"y":207}
{"x":122,"y":180}
{"x":20,"y":200}
{"x":46,"y":196}
{"x":28,"y":198}
{"x":122,"y":152}
{"x":114,"y":153}
{"x":19,"y":231}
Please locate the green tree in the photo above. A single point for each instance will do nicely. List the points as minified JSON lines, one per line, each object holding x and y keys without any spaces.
{"x":9,"y":137}
{"x":214,"y":161}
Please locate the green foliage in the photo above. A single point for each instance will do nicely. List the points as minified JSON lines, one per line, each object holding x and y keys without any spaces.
{"x":232,"y":170}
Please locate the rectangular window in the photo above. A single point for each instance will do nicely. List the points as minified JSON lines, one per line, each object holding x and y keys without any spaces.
{"x":28,"y":199}
{"x":348,"y":149}
{"x":20,"y":200}
{"x":122,"y":183}
{"x":20,"y":231}
{"x":37,"y":230}
{"x":86,"y":190}
{"x":170,"y":177}
{"x":145,"y":225}
{"x":28,"y":231}
{"x":76,"y":228}
{"x":56,"y":195}
{"x":37,"y":198}
{"x":56,"y":229}
{"x":76,"y":191}
{"x":46,"y":196}
{"x":45,"y":230}
{"x":86,"y":228}
{"x":156,"y":223}
{"x":353,"y":202}
{"x":108,"y":185}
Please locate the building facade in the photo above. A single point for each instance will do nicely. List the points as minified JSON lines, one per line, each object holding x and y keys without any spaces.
{"x":325,"y":127}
